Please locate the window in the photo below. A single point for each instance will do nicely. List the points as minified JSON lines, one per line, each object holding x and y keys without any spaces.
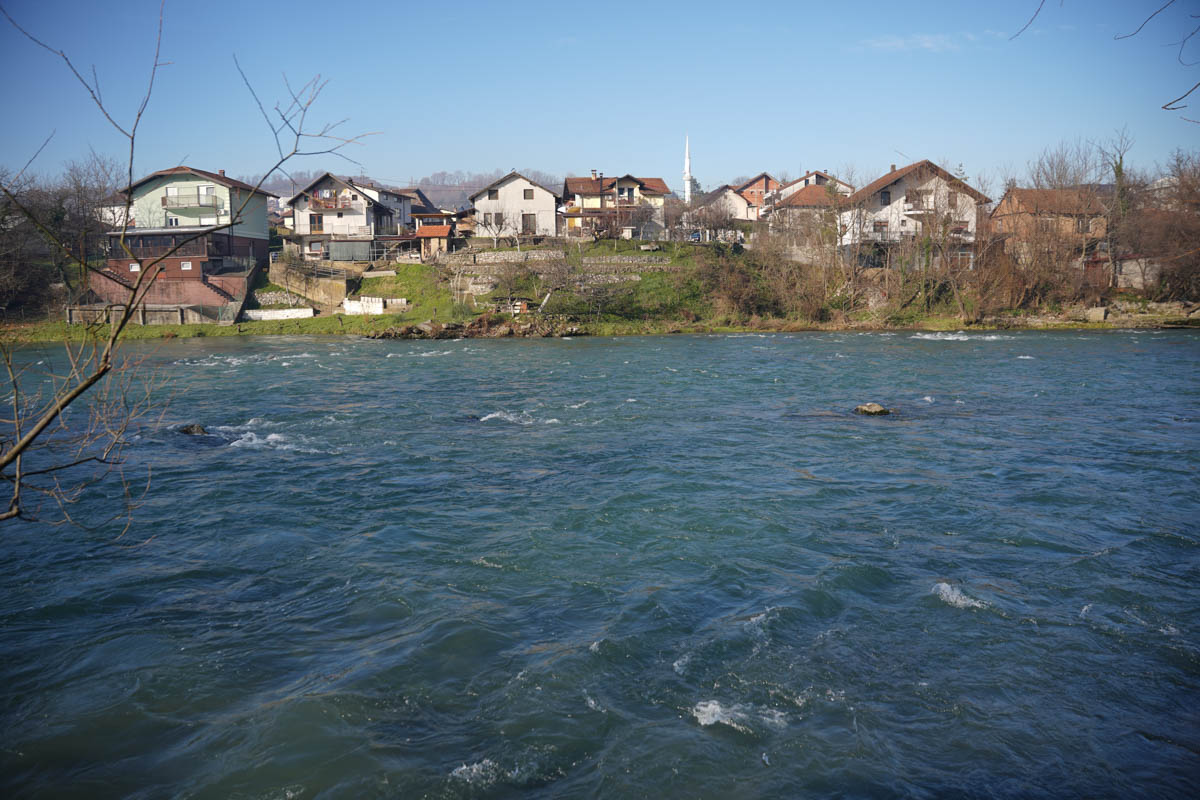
{"x":885,"y":198}
{"x":1083,"y":225}
{"x":999,"y":226}
{"x":339,"y":215}
{"x":529,"y":194}
{"x":316,"y":223}
{"x":953,"y":201}
{"x":493,"y":194}
{"x":880,"y":225}
{"x":135,"y":266}
{"x":172,"y":222}
{"x":353,"y":197}
{"x":1045,"y":225}
{"x":185,"y":265}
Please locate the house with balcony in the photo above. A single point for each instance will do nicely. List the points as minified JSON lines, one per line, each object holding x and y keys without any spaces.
{"x":339,"y":218}
{"x":515,"y":206}
{"x":202,"y":234}
{"x":921,"y":203}
{"x":627,"y":206}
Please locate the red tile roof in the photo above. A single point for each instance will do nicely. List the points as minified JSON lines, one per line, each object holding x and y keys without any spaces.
{"x":433,"y":231}
{"x":811,"y":197}
{"x":605,"y":185}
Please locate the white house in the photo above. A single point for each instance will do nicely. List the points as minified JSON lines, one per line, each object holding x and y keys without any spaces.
{"x":921,"y":199}
{"x":725,"y":202}
{"x":515,"y":205}
{"x":334,"y":210}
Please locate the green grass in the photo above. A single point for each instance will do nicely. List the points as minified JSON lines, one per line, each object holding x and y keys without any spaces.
{"x":421,"y":285}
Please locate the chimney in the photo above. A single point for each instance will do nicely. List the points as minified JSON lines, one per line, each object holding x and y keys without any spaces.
{"x":893,"y":169}
{"x":593,"y":174}
{"x":221,"y":172}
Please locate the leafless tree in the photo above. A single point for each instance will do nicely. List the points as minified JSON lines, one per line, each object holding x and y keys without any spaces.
{"x":48,"y":454}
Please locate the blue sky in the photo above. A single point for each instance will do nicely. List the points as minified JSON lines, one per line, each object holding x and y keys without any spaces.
{"x":567,"y":87}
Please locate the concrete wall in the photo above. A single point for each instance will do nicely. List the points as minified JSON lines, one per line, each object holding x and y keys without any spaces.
{"x":256,"y":314}
{"x":166,"y":291}
{"x":328,"y":291}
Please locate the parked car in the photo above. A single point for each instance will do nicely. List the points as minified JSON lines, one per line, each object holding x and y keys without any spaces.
{"x":694,"y":236}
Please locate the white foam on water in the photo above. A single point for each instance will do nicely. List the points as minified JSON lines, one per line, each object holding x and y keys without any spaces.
{"x":1083,"y":611}
{"x":516,"y":419}
{"x":594,"y":646}
{"x":483,"y":562}
{"x":631,"y":400}
{"x":579,"y":405}
{"x":481,"y":773}
{"x":272,"y":441}
{"x":553,"y":421}
{"x":952,"y":595}
{"x":593,"y":705}
{"x":1025,"y":358}
{"x":681,"y":663}
{"x":959,"y":336}
{"x":959,"y":403}
{"x":927,"y":399}
{"x":737,"y":716}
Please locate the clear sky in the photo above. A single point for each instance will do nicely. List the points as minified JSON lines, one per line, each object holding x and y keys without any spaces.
{"x":567,"y":87}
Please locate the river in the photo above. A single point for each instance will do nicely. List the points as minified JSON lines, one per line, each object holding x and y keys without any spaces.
{"x":673,"y":566}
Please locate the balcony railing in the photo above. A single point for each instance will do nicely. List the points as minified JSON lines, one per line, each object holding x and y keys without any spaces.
{"x":192,"y":200}
{"x":333,"y":203}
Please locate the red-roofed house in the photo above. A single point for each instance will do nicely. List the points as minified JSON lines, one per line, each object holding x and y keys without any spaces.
{"x":756,"y":190}
{"x":340,"y":218}
{"x":813,"y":178}
{"x":625,"y":206}
{"x":1041,"y":219}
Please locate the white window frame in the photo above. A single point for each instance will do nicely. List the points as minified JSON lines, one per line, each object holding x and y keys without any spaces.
{"x":185,"y":265}
{"x":135,"y":266}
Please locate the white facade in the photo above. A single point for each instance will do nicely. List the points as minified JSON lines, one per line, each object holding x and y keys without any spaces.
{"x":814,"y":178}
{"x":521,"y":206}
{"x":343,"y":208}
{"x":728,"y":204}
{"x":921,"y":201}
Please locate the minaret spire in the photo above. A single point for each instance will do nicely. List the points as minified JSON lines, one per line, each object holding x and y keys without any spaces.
{"x":687,"y":170}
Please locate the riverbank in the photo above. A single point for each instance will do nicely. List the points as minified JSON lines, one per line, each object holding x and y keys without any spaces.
{"x":388,"y":326}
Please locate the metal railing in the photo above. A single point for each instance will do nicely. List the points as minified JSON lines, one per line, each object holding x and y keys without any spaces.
{"x":192,"y":200}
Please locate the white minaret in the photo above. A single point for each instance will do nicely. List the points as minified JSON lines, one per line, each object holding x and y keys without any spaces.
{"x":687,"y":171}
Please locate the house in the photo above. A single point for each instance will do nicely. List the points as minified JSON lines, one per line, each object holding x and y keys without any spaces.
{"x":756,"y":190}
{"x":626,"y":206}
{"x":921,"y":200}
{"x":338,"y":218}
{"x":721,"y":205}
{"x":209,"y":230}
{"x":515,"y":205}
{"x":808,"y":219}
{"x":812,"y":178}
{"x":1057,"y":222}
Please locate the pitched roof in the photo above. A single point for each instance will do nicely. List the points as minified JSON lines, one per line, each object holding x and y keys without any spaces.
{"x":1079,"y":202}
{"x":766,"y":175}
{"x":895,"y":175}
{"x":605,"y":185}
{"x":433,"y":231}
{"x":200,"y":173}
{"x":507,"y":178}
{"x":809,"y":174}
{"x":716,"y":194}
{"x":813,"y":196}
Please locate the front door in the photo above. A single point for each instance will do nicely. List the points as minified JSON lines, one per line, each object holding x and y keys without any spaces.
{"x":529,"y":224}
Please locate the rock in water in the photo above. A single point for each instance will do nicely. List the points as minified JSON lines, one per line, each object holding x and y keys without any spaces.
{"x":194,"y":430}
{"x":874,"y":409}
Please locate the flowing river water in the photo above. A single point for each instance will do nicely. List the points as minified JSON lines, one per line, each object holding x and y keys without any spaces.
{"x":670,"y":566}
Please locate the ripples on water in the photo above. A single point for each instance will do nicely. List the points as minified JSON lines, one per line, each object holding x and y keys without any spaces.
{"x":631,"y":566}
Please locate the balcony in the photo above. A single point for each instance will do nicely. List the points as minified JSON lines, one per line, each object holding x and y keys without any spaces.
{"x":192,"y":200}
{"x":918,"y":208}
{"x":334,"y":204}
